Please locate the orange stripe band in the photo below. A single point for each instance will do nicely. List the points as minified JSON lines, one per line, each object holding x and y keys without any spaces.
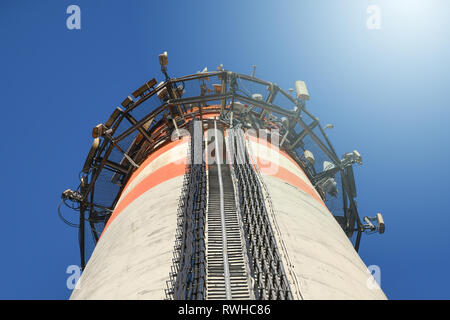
{"x":153,"y":156}
{"x":178,"y":167}
{"x":167,"y":172}
{"x":289,"y":177}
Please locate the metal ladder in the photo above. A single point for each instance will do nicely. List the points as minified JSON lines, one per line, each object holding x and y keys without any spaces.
{"x":227,"y":271}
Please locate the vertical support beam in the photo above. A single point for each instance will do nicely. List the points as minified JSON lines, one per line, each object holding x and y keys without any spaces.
{"x":273,"y":93}
{"x":224,"y":90}
{"x":81,"y":238}
{"x":81,"y":233}
{"x":358,"y":239}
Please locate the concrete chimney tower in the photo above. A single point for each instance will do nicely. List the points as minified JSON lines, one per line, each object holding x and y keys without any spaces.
{"x":218,"y":185}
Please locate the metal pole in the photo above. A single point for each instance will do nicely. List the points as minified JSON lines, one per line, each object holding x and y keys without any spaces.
{"x":81,"y":234}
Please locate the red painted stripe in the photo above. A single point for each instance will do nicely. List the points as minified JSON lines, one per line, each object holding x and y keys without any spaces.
{"x":311,"y":191}
{"x":289,"y":177}
{"x":173,"y":170}
{"x":272,"y":147}
{"x":153,"y":156}
{"x":163,"y":174}
{"x":162,"y":150}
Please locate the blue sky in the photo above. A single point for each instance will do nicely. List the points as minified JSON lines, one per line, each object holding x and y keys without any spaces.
{"x":385,"y":91}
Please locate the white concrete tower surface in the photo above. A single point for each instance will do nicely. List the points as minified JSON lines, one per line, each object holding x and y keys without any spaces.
{"x":218,"y":185}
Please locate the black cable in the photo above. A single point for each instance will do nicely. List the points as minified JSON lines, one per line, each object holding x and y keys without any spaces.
{"x":71,"y":224}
